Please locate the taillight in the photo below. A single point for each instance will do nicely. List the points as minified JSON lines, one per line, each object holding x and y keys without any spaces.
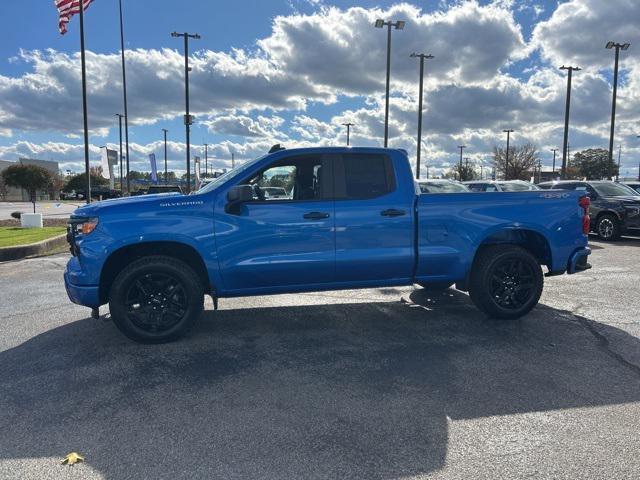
{"x":584,"y":202}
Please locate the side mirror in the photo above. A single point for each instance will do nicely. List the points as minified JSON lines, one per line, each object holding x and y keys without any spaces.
{"x":236,"y":196}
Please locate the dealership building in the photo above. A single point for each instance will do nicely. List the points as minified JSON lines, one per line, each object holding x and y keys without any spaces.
{"x":12,"y":194}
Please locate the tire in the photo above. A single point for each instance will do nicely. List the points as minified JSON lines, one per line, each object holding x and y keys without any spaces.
{"x":505,"y":282}
{"x":435,"y":286}
{"x":172,"y":292}
{"x":608,"y":227}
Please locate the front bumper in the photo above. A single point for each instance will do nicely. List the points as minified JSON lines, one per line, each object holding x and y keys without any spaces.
{"x":87,"y":295}
{"x":578,"y":261}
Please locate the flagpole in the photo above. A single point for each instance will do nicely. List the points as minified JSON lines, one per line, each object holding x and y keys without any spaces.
{"x":124,"y":88}
{"x":84,"y":105}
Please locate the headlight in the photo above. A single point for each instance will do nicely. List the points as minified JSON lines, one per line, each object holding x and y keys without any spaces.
{"x":632,"y":210}
{"x":83,"y":225}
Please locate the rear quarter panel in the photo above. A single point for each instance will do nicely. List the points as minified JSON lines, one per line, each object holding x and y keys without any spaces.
{"x":451,"y":227}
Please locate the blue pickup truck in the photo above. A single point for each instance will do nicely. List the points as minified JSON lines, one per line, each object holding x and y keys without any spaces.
{"x":348,"y":218}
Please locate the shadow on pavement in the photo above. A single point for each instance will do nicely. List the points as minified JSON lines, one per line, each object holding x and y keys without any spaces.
{"x":351,"y":390}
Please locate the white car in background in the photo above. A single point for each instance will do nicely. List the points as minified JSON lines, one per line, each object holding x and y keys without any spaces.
{"x":441,"y":186}
{"x":500,"y":186}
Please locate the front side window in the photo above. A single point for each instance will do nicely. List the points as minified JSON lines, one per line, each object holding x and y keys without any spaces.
{"x":362,"y":176}
{"x":296,"y":178}
{"x":611,"y":189}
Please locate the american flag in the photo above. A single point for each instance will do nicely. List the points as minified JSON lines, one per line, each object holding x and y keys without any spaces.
{"x":67,"y":9}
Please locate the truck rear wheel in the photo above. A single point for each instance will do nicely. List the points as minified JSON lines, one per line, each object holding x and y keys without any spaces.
{"x":156,"y":299}
{"x":506,"y":282}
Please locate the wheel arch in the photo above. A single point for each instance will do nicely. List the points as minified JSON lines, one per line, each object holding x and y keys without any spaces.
{"x":533,"y":241}
{"x":123,"y":256}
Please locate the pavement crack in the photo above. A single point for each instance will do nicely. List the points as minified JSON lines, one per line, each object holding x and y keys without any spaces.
{"x":604,"y":344}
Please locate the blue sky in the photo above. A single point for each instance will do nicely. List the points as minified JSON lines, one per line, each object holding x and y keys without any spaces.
{"x":268,"y":71}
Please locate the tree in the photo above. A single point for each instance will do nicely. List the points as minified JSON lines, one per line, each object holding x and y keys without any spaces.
{"x":464,"y":174}
{"x":57,"y":184}
{"x":29,"y":177}
{"x":522,"y":161}
{"x":593,"y":164}
{"x":79,"y":182}
{"x":3,"y":188}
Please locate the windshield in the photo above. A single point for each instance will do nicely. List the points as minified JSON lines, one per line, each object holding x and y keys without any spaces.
{"x":611,"y":189}
{"x":517,"y":186}
{"x":231,"y":173}
{"x":442,"y":187}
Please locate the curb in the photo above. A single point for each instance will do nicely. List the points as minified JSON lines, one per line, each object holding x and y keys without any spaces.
{"x":32,"y":249}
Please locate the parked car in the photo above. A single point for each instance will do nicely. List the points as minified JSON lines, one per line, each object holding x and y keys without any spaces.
{"x":442,"y":186}
{"x":354,"y":220}
{"x":634,"y":185}
{"x":163,"y":189}
{"x":99,"y":192}
{"x":500,"y":186}
{"x":614,"y":210}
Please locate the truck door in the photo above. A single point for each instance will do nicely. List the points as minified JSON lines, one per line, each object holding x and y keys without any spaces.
{"x":284,"y":236}
{"x":374,"y":219}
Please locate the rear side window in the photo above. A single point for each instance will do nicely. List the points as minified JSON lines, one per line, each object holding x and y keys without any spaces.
{"x":361,"y":176}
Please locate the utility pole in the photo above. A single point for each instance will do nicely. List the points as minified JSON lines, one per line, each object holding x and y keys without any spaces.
{"x":188,"y":120}
{"x":399,"y":25}
{"x":619,"y":154}
{"x":206,"y":159}
{"x":618,"y":47}
{"x":461,"y":147}
{"x":422,"y":57}
{"x":233,"y":160}
{"x":539,"y":170}
{"x":553,"y":169}
{"x":348,"y":125}
{"x":119,"y":115}
{"x":166,"y":175}
{"x":565,"y":144}
{"x":506,"y":157}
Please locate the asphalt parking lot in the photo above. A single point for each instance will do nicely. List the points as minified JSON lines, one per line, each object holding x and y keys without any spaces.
{"x":371,"y":384}
{"x":49,"y":209}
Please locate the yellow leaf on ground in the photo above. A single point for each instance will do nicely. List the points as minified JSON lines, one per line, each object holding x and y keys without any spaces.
{"x":72,"y":458}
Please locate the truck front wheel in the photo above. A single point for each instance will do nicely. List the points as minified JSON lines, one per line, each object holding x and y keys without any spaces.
{"x":506,"y":281}
{"x":156,"y":299}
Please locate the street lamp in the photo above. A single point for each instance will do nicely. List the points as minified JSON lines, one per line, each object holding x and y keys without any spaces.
{"x":422,"y":57}
{"x":188,"y":120}
{"x":506,"y":158}
{"x":348,"y":125}
{"x":166,"y":178}
{"x":461,"y":147}
{"x":565,"y":144}
{"x":618,"y":47}
{"x":399,"y":25}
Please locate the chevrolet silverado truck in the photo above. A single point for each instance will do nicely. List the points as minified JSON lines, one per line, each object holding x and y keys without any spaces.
{"x":348,"y":218}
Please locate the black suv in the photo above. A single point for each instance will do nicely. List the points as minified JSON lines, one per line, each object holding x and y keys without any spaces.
{"x":615,"y":208}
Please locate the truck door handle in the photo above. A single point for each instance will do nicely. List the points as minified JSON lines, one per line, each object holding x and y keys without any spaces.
{"x":316,"y":215}
{"x":392,"y":212}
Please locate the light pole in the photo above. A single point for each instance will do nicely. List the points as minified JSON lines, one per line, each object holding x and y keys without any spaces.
{"x":124,"y":91}
{"x":422,"y":57}
{"x":506,"y":157}
{"x":166,"y":175}
{"x":348,"y":125}
{"x":233,"y":160}
{"x":461,"y":147}
{"x":206,"y":159}
{"x":553,"y":168}
{"x":187,"y":118}
{"x":565,"y":144}
{"x":399,"y":25}
{"x":119,"y":115}
{"x":618,"y":47}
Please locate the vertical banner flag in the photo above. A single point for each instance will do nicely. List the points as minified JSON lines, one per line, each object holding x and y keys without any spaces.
{"x":108,"y":159}
{"x":104,"y":162}
{"x":196,"y":167}
{"x":154,"y":167}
